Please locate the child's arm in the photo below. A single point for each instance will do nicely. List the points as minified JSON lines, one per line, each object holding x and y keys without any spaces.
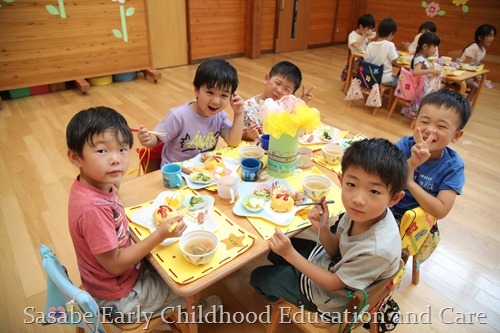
{"x":233,"y":138}
{"x":119,"y":260}
{"x":419,"y":70}
{"x":364,"y":35}
{"x":440,"y":205}
{"x":307,"y":95}
{"x":329,"y":241}
{"x":147,"y":139}
{"x":325,"y":279}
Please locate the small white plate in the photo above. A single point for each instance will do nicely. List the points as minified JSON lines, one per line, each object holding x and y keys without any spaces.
{"x":144,"y":216}
{"x":231,"y":163}
{"x":281,"y":219}
{"x":317,"y":136}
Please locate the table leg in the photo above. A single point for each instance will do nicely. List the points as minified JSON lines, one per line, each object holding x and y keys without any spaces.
{"x":349,"y":74}
{"x":480,"y":85}
{"x":192,"y":307}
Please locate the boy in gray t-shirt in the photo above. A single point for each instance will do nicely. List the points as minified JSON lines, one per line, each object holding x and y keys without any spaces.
{"x":365,"y":248}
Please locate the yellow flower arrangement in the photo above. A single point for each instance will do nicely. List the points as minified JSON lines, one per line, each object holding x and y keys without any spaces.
{"x":288,"y":116}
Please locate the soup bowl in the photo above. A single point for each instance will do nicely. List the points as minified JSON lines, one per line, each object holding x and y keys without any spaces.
{"x":316,"y":186}
{"x":198,"y":246}
{"x":251,"y":151}
{"x":333,"y":153}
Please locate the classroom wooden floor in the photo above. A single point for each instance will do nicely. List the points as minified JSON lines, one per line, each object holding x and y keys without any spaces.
{"x":462,"y":276}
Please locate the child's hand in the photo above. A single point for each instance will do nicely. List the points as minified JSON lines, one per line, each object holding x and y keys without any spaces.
{"x":172,"y":227}
{"x":317,"y":213}
{"x":280,"y":243}
{"x":435,"y":72}
{"x":420,"y":152}
{"x":307,"y":96}
{"x":237,"y":103}
{"x":145,"y":138}
{"x":251,"y":133}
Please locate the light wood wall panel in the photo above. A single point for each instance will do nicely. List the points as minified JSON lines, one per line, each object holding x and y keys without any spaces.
{"x":321,"y":21}
{"x":455,"y":28}
{"x":216,"y":28}
{"x":40,"y":48}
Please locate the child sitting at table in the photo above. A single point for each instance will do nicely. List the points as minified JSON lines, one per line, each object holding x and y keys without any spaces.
{"x":365,"y":248}
{"x":424,"y":27}
{"x":475,"y":53}
{"x":111,"y":266}
{"x":358,"y":39}
{"x":195,"y":127}
{"x":283,"y":79}
{"x":383,"y":51}
{"x":436,"y":171}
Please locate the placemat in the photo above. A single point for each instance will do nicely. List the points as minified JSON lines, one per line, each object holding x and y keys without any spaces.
{"x":234,"y":241}
{"x":320,"y":159}
{"x":266,"y":228}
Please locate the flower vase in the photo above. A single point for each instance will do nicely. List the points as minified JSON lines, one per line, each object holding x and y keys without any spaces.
{"x":282,"y":155}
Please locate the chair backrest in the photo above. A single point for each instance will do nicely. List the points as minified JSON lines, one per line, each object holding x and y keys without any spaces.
{"x":408,"y":85}
{"x":66,"y":303}
{"x":369,"y":74}
{"x":414,"y":228}
{"x":149,"y":158}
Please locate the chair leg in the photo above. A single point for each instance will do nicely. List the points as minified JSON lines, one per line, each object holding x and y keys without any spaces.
{"x":415,"y":272}
{"x":374,"y":113}
{"x":350,"y":103}
{"x":393,"y":107}
{"x":413,"y":122}
{"x":275,"y":316}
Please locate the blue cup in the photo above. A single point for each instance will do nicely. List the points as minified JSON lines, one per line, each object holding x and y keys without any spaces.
{"x":264,"y":141}
{"x":250,"y":168}
{"x":172,"y":175}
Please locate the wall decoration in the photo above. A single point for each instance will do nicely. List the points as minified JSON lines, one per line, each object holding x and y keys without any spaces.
{"x":54,"y":11}
{"x":462,"y":3}
{"x":6,"y":1}
{"x":432,"y":9}
{"x":122,"y":34}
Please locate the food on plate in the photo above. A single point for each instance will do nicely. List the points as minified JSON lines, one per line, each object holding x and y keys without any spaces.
{"x":196,"y":202}
{"x":326,"y":136}
{"x":253,"y":203}
{"x":163,"y":213}
{"x":214,"y":162}
{"x":282,"y":201}
{"x":201,"y":177}
{"x":174,"y":200}
{"x":263,"y":191}
{"x":200,"y":218}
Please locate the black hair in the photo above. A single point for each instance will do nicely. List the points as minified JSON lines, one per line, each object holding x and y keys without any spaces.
{"x":429,"y":26}
{"x":87,"y":123}
{"x":386,"y":27}
{"x":366,"y":20}
{"x":289,"y":71}
{"x":482,"y":32}
{"x":378,"y":157}
{"x":449,"y":99}
{"x":216,"y":73}
{"x":429,"y":38}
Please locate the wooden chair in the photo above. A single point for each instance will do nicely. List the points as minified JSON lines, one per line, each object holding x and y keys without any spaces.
{"x":408,"y":88}
{"x":370,"y":74}
{"x":64,"y":299}
{"x":414,"y":228}
{"x":368,"y":301}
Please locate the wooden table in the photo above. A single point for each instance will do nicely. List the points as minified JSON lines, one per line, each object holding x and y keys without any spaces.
{"x":144,"y":188}
{"x":461,"y":81}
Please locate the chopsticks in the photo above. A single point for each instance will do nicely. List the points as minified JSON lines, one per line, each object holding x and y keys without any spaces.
{"x":174,"y":225}
{"x":315,"y":203}
{"x":150,"y":132}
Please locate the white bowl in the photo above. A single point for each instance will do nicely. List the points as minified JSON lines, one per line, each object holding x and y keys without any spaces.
{"x":316,"y":186}
{"x":251,"y":151}
{"x":333,"y":153}
{"x":198,"y":246}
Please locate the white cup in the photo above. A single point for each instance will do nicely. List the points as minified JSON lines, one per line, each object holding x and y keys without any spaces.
{"x":227,"y":188}
{"x":304,"y":157}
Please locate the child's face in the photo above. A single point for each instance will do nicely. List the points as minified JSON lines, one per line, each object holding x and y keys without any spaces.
{"x":443,"y":121}
{"x":211,"y":101}
{"x":365,"y":196}
{"x":277,"y":87}
{"x":488,"y":40}
{"x":104,"y":164}
{"x":428,"y":50}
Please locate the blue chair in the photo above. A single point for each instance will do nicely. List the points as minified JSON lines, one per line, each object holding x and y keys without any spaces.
{"x":67,"y":304}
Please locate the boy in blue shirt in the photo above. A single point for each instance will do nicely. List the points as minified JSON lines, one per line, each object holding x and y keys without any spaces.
{"x":436,"y":171}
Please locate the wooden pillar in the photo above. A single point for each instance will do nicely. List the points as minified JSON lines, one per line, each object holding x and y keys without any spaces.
{"x":253,"y":27}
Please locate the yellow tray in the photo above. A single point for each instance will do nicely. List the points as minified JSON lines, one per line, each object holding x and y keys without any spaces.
{"x":320,"y":159}
{"x":234,"y":241}
{"x":266,"y":228}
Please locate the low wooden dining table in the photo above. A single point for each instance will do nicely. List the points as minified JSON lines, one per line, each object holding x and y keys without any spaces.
{"x":461,"y":81}
{"x":146,"y":187}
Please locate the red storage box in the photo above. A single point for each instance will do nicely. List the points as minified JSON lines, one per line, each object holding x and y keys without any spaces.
{"x":37,"y":90}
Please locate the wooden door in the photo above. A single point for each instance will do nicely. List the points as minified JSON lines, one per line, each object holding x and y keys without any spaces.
{"x":167,"y":33}
{"x":293,"y":25}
